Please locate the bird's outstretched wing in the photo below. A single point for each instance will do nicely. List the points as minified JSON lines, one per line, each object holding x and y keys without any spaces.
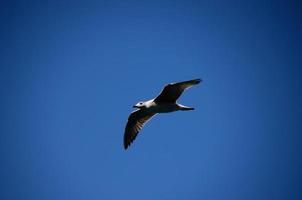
{"x":172,"y":91}
{"x":136,"y":121}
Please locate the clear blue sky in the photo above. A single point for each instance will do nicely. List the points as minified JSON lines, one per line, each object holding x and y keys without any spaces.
{"x":71,"y":71}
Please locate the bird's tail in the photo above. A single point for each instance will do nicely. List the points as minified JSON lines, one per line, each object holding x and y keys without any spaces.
{"x":184,"y":108}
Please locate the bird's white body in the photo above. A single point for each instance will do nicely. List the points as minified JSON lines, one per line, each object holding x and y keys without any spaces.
{"x":153,"y":107}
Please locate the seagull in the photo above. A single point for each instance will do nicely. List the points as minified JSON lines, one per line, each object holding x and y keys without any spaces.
{"x":165,"y":102}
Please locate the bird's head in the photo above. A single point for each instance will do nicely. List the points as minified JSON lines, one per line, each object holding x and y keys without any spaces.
{"x":140,"y":105}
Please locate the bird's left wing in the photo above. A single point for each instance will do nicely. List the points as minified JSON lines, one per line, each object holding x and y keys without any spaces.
{"x":136,"y":121}
{"x":172,"y":91}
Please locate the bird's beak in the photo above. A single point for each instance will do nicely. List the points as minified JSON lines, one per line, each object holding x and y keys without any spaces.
{"x":135,"y":106}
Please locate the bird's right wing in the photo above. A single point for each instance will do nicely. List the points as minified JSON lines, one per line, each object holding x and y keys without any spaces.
{"x":136,"y":121}
{"x":172,"y":91}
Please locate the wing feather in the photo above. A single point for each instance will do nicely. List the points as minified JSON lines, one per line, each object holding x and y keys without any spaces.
{"x":172,"y":91}
{"x":136,"y":121}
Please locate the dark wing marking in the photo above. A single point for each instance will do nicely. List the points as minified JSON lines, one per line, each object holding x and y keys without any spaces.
{"x":136,"y":121}
{"x":172,"y":91}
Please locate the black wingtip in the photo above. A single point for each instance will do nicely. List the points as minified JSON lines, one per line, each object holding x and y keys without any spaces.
{"x":197,"y":80}
{"x":126,"y":145}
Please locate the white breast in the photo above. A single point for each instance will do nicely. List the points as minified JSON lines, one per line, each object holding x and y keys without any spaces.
{"x":161,"y":108}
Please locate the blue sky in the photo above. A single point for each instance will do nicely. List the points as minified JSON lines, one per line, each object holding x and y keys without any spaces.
{"x":71,"y":71}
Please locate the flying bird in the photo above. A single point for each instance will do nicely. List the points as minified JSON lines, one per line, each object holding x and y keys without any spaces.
{"x":165,"y":102}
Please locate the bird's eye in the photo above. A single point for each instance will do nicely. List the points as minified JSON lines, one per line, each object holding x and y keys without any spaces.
{"x":141,"y":103}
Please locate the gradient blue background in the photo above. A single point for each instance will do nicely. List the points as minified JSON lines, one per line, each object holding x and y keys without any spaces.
{"x":71,"y":71}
